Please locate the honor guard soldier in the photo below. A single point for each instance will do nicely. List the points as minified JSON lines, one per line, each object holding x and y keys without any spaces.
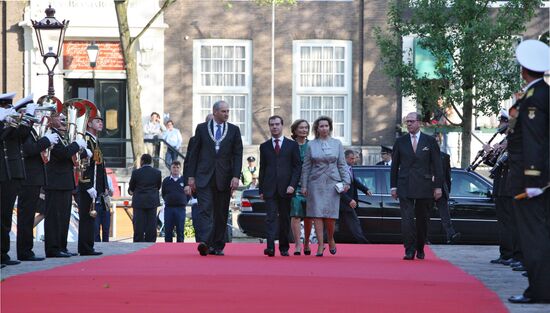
{"x":92,"y":188}
{"x":36,"y":156}
{"x":59,"y":187}
{"x":528,"y":148}
{"x":12,"y":168}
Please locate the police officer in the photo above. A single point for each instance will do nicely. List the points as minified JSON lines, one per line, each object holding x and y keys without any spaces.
{"x":34,"y":149}
{"x":91,"y":188}
{"x":385,"y":153}
{"x":12,"y":167}
{"x":528,"y":148}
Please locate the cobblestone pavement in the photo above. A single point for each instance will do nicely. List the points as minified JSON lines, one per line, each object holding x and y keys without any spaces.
{"x":472,"y":259}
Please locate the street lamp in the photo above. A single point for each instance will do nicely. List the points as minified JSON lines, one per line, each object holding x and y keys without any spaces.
{"x":50,"y":34}
{"x":93,"y":51}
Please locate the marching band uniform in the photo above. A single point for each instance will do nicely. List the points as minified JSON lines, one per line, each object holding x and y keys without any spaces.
{"x":59,"y":187}
{"x":12,"y":173}
{"x":87,"y":223}
{"x":29,"y":194}
{"x":528,"y":145}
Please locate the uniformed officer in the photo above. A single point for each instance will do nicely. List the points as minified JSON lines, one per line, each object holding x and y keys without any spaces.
{"x":386,"y":156}
{"x":12,"y":168}
{"x":59,"y":186}
{"x":29,"y":194}
{"x":92,"y":186}
{"x":528,"y":148}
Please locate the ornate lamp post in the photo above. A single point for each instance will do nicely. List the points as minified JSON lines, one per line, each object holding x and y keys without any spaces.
{"x":50,"y":34}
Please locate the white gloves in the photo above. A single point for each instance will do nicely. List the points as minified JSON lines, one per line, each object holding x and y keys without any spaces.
{"x":31,"y":107}
{"x":5,"y":112}
{"x":533,"y":192}
{"x":92,"y":192}
{"x":81,"y":143}
{"x":89,"y":153}
{"x":52,"y":137}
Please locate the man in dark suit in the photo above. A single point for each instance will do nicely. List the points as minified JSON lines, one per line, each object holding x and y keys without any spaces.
{"x":442,"y":203}
{"x":280,"y":168}
{"x":386,"y":156}
{"x":348,"y":201}
{"x":529,"y":172}
{"x":144,"y":187}
{"x":201,"y":217}
{"x":59,"y":187}
{"x":416,"y":180}
{"x":29,"y":194}
{"x":92,"y":187}
{"x":214,"y":171}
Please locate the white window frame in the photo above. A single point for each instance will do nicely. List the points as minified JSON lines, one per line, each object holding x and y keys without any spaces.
{"x":246,"y":90}
{"x":345,"y":91}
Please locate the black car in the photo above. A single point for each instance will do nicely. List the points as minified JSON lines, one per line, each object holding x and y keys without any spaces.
{"x":471,"y":206}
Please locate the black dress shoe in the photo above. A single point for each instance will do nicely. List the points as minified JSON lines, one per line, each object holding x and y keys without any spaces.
{"x":219,"y":252}
{"x":420,"y":255}
{"x":454,"y":238}
{"x":524,"y":274}
{"x":92,"y":253}
{"x":516,"y":264}
{"x":496,"y":261}
{"x":269,"y":252}
{"x":70,"y":253}
{"x":521,"y":299}
{"x":31,"y":258}
{"x":58,"y":255}
{"x":10,"y":262}
{"x":409,"y":256}
{"x":520,"y":268}
{"x":507,"y":262}
{"x":203,"y":249}
{"x":284,"y":253}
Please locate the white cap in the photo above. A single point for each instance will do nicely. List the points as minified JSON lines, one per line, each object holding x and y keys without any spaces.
{"x":7,"y":96}
{"x":27,"y":99}
{"x":534,"y":55}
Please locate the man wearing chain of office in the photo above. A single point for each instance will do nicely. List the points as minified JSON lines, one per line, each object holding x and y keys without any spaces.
{"x":92,"y":189}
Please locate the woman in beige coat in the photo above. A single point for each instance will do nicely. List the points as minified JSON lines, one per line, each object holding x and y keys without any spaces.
{"x":323,"y":169}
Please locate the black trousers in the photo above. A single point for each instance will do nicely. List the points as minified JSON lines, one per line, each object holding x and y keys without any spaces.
{"x":216,"y":203}
{"x":442,"y":205}
{"x":86,"y":225}
{"x":8,"y":193}
{"x":533,"y":221}
{"x":278,"y":221}
{"x":202,"y":222}
{"x":26,"y":209}
{"x":414,"y":232}
{"x":102,"y":225}
{"x":145,"y":225}
{"x":348,"y":217}
{"x":504,"y":211}
{"x":57,"y":219}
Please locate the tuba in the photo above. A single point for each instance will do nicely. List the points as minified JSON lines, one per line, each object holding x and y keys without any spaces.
{"x":47,"y":105}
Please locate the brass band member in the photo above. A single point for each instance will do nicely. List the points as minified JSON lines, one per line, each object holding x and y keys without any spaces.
{"x":59,"y":187}
{"x":92,"y":188}
{"x":12,"y":168}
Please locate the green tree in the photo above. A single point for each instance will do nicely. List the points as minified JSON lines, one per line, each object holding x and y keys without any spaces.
{"x":473,"y":48}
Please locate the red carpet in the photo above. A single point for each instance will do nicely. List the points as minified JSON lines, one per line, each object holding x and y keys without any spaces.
{"x":174,"y":278}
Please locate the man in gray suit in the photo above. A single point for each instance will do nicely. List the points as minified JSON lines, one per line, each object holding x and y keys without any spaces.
{"x":416,"y":179}
{"x":214,"y":170}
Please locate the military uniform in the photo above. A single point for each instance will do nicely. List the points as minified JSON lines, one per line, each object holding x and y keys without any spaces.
{"x":528,"y":148}
{"x":30,"y":192}
{"x":59,"y":187}
{"x":87,"y":224}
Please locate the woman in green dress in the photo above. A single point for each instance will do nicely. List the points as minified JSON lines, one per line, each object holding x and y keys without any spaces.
{"x":300,"y":131}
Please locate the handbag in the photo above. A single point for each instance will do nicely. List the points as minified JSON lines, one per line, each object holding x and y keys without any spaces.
{"x":339,"y":186}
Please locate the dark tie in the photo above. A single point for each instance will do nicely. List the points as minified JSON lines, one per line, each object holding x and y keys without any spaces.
{"x":218,"y":132}
{"x":277,"y":147}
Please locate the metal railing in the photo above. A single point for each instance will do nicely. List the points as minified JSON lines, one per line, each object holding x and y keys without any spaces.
{"x":155,"y":141}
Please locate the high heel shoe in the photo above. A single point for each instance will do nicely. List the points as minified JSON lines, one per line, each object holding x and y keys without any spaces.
{"x":332,"y":251}
{"x":307,"y":251}
{"x":321,"y":253}
{"x":298,"y":252}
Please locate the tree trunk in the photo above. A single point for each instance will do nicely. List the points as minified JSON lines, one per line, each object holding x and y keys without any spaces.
{"x":133,"y":87}
{"x":467,"y":110}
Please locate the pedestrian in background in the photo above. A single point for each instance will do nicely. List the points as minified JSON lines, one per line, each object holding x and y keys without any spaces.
{"x":144,"y":187}
{"x":175,"y":202}
{"x":172,"y":136}
{"x":153,"y":128}
{"x":324,"y":177}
